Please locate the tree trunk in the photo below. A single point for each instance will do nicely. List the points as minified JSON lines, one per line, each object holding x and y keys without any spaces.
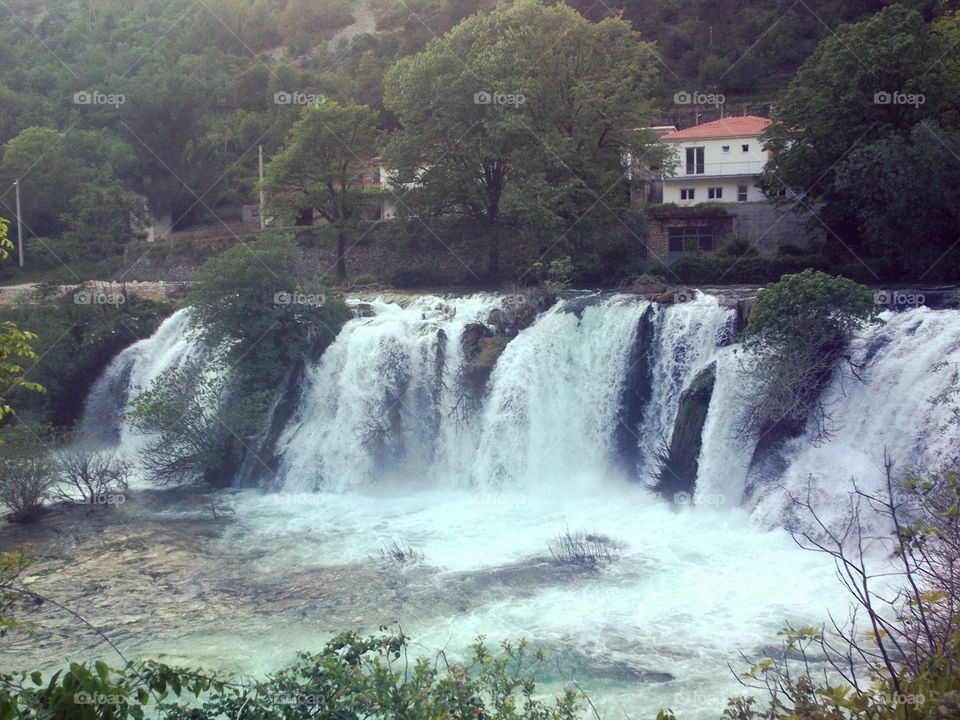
{"x":341,"y":256}
{"x":305,"y":217}
{"x":493,"y":252}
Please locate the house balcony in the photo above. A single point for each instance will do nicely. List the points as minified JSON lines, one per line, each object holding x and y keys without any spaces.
{"x":742,"y":168}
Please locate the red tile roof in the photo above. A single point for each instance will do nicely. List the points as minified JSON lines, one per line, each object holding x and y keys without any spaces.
{"x":734,"y":126}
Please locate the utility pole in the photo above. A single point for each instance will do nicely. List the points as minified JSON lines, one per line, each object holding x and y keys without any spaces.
{"x":16,"y":185}
{"x":263,"y":220}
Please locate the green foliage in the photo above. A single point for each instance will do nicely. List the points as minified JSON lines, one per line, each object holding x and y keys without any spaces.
{"x":720,"y":268}
{"x":840,"y":81}
{"x":325,"y":165}
{"x":859,"y":130}
{"x":252,"y":302}
{"x":559,"y":275}
{"x":907,"y":667}
{"x":351,"y":677}
{"x":738,"y":246}
{"x":15,"y":346}
{"x":888,"y":184}
{"x":74,"y":342}
{"x":196,"y":423}
{"x":526,"y":131}
{"x":797,"y":334}
{"x":809,"y":308}
{"x":28,"y":473}
{"x":71,"y":181}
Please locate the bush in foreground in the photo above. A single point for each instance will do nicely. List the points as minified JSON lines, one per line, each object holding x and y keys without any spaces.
{"x":352,"y":677}
{"x":89,"y":474}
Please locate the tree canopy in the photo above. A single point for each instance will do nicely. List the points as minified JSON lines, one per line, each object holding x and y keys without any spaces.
{"x":521,"y":118}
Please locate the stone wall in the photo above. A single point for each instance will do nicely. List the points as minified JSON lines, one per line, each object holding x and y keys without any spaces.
{"x":770,"y":226}
{"x":658,"y":244}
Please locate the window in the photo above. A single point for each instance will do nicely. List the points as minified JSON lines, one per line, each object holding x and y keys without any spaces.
{"x":746,"y":148}
{"x":715,"y":193}
{"x":695,"y":164}
{"x":690,"y":239}
{"x":726,"y":148}
{"x":687,"y":193}
{"x":741,"y":193}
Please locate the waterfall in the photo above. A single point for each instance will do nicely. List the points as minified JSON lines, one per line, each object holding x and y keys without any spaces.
{"x":131,"y":371}
{"x":382,"y":396}
{"x":555,"y":395}
{"x":887,"y":410}
{"x":685,"y":340}
{"x":389,"y":401}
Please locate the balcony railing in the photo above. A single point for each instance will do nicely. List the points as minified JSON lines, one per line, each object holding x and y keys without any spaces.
{"x":741,"y":167}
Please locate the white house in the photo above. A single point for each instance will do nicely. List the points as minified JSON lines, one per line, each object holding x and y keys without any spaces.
{"x":719,"y":161}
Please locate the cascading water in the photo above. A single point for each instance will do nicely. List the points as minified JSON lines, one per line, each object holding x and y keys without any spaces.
{"x":382,"y":397}
{"x":890,"y":411}
{"x":550,"y":412}
{"x":685,"y":340}
{"x":395,"y":436}
{"x":132,"y":371}
{"x":388,"y":402}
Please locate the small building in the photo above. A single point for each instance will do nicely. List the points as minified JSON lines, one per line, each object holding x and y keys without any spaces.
{"x":719,"y":162}
{"x":250,"y":214}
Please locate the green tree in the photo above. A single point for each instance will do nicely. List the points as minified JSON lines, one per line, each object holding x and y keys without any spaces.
{"x":15,"y":345}
{"x":906,"y":195}
{"x":520,"y":118}
{"x":71,"y":181}
{"x":251,"y":301}
{"x":195,"y":424}
{"x":798,"y":333}
{"x":325,"y":165}
{"x":842,"y":98}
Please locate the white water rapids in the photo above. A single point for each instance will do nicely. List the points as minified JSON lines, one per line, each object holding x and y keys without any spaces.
{"x":384,"y":445}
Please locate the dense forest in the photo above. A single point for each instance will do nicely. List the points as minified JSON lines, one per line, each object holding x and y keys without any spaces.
{"x":117,"y":109}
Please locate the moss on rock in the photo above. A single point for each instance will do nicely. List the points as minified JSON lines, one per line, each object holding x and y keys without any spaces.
{"x":678,"y":468}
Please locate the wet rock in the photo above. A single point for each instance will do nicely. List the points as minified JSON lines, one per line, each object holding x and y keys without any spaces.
{"x":635,"y":395}
{"x":363,"y":310}
{"x":678,"y":469}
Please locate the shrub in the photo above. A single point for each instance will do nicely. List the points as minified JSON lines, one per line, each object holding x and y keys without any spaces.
{"x":27,"y":472}
{"x":585,"y":549}
{"x":797,"y":335}
{"x":90,"y":475}
{"x":351,"y":677}
{"x":739,"y":246}
{"x":898,"y":655}
{"x":193,"y":424}
{"x":415,"y":274}
{"x":397,"y":550}
{"x":714,"y":267}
